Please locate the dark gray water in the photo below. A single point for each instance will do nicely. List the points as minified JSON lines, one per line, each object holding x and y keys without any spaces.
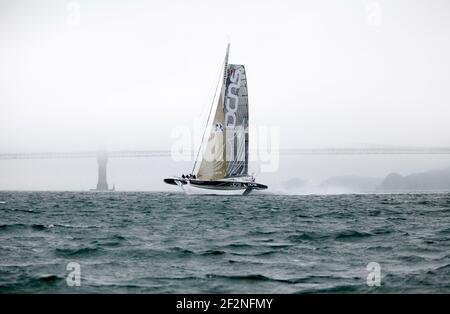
{"x":172,"y":243}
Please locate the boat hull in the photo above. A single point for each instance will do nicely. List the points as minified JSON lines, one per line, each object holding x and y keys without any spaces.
{"x":227,"y":187}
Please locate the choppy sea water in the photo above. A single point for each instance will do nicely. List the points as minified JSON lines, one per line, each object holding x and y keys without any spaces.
{"x":173,"y":243}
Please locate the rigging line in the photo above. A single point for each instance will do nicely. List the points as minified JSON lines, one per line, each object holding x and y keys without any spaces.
{"x":207,"y":120}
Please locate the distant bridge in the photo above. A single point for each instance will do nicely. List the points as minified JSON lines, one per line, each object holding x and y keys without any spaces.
{"x":86,"y":154}
{"x":283,"y":152}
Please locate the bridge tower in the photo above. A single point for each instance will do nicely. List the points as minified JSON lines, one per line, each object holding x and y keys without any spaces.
{"x":102,"y":160}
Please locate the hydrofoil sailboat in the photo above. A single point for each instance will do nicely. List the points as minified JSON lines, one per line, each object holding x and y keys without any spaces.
{"x":224,"y":165}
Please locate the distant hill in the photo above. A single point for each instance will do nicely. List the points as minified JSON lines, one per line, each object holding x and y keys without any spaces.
{"x":350,"y":184}
{"x":434,"y":180}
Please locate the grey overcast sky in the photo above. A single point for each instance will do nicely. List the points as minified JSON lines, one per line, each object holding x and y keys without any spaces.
{"x":132,"y":70}
{"x":328,"y":73}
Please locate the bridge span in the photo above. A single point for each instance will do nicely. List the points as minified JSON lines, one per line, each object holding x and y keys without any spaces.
{"x":282,"y":152}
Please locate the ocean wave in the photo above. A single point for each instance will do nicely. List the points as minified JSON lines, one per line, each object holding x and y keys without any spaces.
{"x":29,"y":210}
{"x":341,"y":235}
{"x":311,"y":279}
{"x":444,"y":231}
{"x":110,"y":241}
{"x":34,"y":285}
{"x":380,"y":248}
{"x":76,"y":226}
{"x":333,"y":289}
{"x":380,"y":231}
{"x":349,"y":235}
{"x":260,"y":232}
{"x":443,"y":269}
{"x":412,"y":258}
{"x":213,"y":253}
{"x":49,"y":278}
{"x":239,"y":246}
{"x":250,"y":277}
{"x":77,"y":251}
{"x":18,"y":226}
{"x":306,"y":236}
{"x":182,"y":251}
{"x":38,"y":227}
{"x":256,"y":254}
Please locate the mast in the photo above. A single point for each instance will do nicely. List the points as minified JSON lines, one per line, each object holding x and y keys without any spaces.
{"x":225,"y":72}
{"x":222,"y":92}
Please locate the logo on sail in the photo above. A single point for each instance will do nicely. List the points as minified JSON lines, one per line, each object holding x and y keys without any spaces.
{"x":232,"y":100}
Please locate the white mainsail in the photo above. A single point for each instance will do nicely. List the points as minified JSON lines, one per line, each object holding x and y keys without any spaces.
{"x":226,"y":151}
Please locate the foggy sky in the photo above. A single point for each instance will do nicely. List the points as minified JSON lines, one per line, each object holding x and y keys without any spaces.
{"x":328,"y":73}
